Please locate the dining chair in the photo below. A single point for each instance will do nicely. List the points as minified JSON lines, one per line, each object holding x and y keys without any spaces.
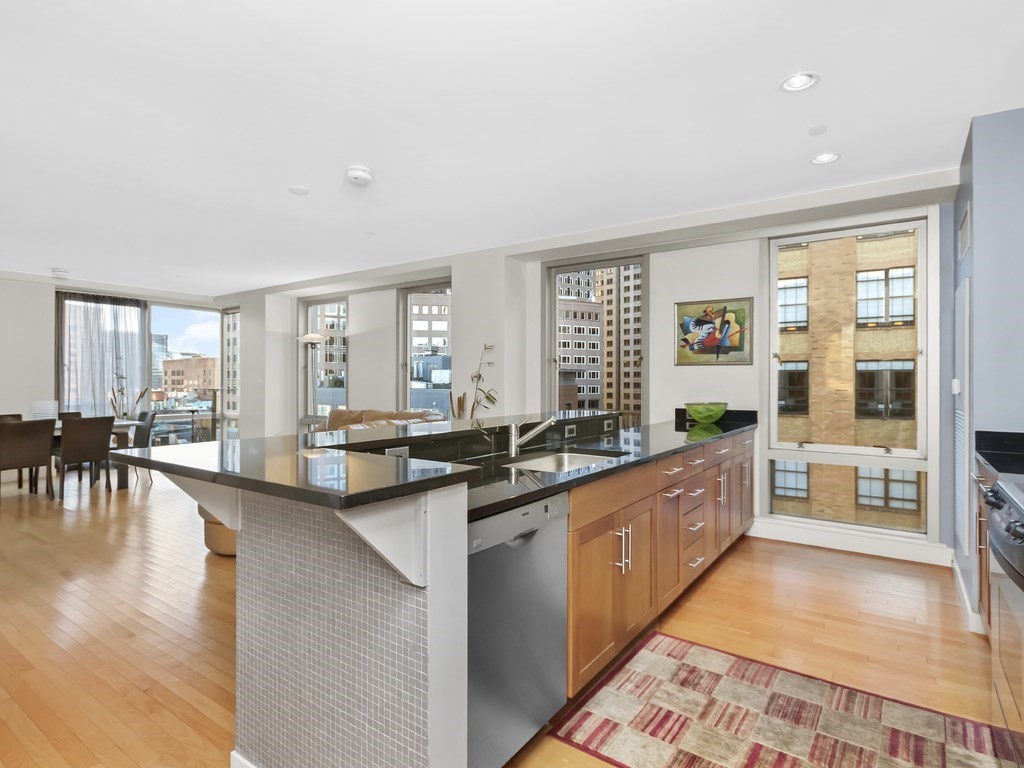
{"x":85,"y":440}
{"x":69,"y":415}
{"x":143,"y":436}
{"x":8,"y":417}
{"x":27,"y":444}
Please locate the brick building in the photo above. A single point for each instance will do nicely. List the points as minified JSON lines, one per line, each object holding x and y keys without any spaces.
{"x":848,"y":369}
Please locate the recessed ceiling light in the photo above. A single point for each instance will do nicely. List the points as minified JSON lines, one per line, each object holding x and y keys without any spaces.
{"x":825,"y":158}
{"x":817,"y":130}
{"x":295,"y":189}
{"x":801,"y":81}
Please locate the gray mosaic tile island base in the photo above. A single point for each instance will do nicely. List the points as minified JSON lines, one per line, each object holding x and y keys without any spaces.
{"x":334,"y":648}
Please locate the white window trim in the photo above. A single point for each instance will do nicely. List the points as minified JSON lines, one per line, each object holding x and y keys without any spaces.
{"x":864,"y":455}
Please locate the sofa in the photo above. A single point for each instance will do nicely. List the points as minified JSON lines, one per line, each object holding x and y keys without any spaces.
{"x":367,"y":418}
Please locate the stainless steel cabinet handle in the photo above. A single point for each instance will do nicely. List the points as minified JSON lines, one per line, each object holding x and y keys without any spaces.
{"x":698,"y":492}
{"x":629,"y":558}
{"x":672,"y":471}
{"x":695,"y":462}
{"x":981,"y":483}
{"x":696,"y":563}
{"x":673,"y":494}
{"x":622,"y":556}
{"x":721,"y":482}
{"x":746,"y":474}
{"x":747,"y":442}
{"x":724,"y":450}
{"x":695,"y":526}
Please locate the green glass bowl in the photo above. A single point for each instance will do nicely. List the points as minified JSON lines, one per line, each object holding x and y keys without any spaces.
{"x":705,"y":413}
{"x":702,"y":432}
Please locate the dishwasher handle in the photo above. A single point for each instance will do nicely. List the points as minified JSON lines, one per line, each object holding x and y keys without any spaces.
{"x":521,"y":539}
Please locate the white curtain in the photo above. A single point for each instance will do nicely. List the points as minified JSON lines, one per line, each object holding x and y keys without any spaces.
{"x":102,"y":354}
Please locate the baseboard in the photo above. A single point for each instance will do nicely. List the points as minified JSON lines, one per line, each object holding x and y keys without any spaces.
{"x":237,"y":761}
{"x":848,"y":539}
{"x":974,"y":621}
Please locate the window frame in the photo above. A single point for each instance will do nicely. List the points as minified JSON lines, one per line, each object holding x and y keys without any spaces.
{"x":887,"y":322}
{"x":806,"y":370}
{"x":887,"y":389}
{"x":867,"y":455}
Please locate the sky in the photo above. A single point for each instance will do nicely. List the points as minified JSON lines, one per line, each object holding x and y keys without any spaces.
{"x":188,"y":330}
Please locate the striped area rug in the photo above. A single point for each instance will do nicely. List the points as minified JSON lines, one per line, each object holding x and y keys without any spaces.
{"x":676,"y":704}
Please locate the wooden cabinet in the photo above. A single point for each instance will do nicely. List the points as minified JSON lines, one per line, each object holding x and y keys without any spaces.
{"x":680,"y":523}
{"x":638,"y":605}
{"x":593,"y":641}
{"x":612,"y":587}
{"x":638,"y":538}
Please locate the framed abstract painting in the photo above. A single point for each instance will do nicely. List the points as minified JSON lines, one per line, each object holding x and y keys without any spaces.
{"x":714,"y":332}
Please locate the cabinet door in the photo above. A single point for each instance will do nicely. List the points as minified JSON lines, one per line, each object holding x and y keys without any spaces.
{"x":711,"y":493}
{"x":638,"y":605}
{"x":747,"y":491}
{"x":722,"y":493}
{"x":736,"y":474}
{"x":668,"y":536}
{"x":594,"y":581}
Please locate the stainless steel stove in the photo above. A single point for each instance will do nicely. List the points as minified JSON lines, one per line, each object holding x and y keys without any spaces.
{"x":1005,"y":502}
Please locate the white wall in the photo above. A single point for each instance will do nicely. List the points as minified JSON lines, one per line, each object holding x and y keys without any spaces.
{"x":727,"y":271}
{"x":27,"y":344}
{"x":268,"y":361}
{"x":373,"y":340}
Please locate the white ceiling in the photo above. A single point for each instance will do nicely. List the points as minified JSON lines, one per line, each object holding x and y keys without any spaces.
{"x":151,"y":144}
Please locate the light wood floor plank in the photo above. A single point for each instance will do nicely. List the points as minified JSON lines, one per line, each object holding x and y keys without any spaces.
{"x":117,"y":638}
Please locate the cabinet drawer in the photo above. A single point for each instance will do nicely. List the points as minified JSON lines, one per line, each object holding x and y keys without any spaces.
{"x":743,"y":442}
{"x":594,"y":500}
{"x":693,"y":561}
{"x":718,"y":451}
{"x":693,"y":526}
{"x":687,"y":494}
{"x":680,"y":466}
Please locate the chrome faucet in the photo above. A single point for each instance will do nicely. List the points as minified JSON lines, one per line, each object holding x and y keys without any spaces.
{"x":514,"y":440}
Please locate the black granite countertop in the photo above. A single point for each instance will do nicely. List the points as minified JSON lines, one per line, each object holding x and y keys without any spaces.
{"x":500,"y":488}
{"x":403,"y":434}
{"x":278,"y":466}
{"x":283,"y":467}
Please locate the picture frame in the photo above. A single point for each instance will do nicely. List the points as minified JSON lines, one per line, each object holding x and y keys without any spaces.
{"x":699,"y":336}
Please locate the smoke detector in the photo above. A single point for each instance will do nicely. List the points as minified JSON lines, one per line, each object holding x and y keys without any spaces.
{"x":359,"y":174}
{"x":59,"y":273}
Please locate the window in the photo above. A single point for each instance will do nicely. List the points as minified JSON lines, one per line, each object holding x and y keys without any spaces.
{"x":429,"y":357}
{"x":600,"y":313}
{"x":792,"y":302}
{"x":893,"y":489}
{"x":885,"y":297}
{"x":331,"y":358}
{"x":789,"y":479}
{"x":564,"y":359}
{"x":861,"y":424}
{"x":885,"y":389}
{"x":793,"y":388}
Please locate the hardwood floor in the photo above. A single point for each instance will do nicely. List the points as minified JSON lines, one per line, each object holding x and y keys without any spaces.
{"x":117,"y":630}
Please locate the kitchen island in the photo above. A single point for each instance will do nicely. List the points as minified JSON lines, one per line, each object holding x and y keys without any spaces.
{"x":352,"y":581}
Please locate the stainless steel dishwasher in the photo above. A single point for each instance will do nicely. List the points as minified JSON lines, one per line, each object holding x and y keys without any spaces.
{"x":517,"y":627}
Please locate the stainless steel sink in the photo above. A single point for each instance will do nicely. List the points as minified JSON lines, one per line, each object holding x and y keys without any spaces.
{"x":563,"y":461}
